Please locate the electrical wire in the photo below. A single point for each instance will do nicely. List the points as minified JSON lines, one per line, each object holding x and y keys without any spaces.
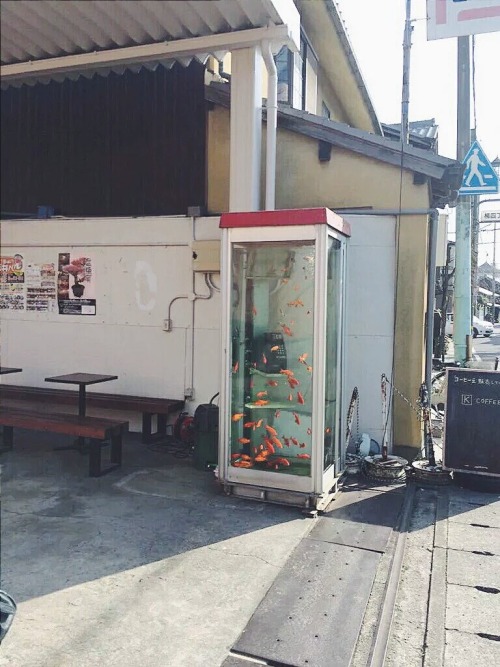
{"x":474,"y":83}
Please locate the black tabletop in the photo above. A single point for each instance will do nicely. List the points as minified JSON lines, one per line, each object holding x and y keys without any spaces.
{"x":5,"y":369}
{"x":81,"y":378}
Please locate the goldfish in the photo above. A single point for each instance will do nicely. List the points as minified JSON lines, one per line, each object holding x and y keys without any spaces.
{"x":259,"y":423}
{"x":260,"y":402}
{"x":243,"y":464}
{"x":286,"y":441}
{"x":294,"y":440}
{"x":244,"y":441}
{"x":293,"y":382}
{"x":237,"y":416}
{"x":275,"y":348}
{"x":277,"y":442}
{"x":249,"y":425}
{"x":255,"y":451}
{"x":290,"y":397}
{"x":261,"y":394}
{"x":300,"y":398}
{"x":303,"y":358}
{"x":286,"y":330}
{"x":303,"y":456}
{"x":264,"y":358}
{"x":309,"y":431}
{"x":272,"y":383}
{"x":328,"y":430}
{"x":260,"y":458}
{"x":302,"y":445}
{"x":285,"y":371}
{"x":235,"y":367}
{"x":277,"y":414}
{"x":245,"y":457}
{"x":271,"y":430}
{"x":270,"y":447}
{"x":235,"y":456}
{"x":295,"y":303}
{"x":282,"y":460}
{"x":309,"y":369}
{"x":297,"y":418}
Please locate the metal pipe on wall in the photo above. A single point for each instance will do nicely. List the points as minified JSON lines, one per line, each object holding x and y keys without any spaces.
{"x":271,"y":125}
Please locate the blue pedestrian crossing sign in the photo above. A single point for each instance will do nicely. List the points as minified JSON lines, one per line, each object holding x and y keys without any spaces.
{"x":479,"y":176}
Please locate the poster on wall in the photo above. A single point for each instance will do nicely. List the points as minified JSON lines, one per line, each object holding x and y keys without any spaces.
{"x":41,"y":287}
{"x":75,"y":285}
{"x":12,"y":282}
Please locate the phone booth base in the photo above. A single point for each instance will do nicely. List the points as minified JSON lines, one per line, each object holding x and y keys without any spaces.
{"x":281,"y":422}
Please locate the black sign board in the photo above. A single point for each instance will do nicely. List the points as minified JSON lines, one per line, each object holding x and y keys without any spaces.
{"x":472,"y":421}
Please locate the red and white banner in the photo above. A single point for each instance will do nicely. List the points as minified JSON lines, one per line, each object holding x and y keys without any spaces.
{"x":457,"y":18}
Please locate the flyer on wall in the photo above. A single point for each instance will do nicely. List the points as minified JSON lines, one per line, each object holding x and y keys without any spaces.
{"x":75,"y":285}
{"x":41,"y":287}
{"x":12,"y":282}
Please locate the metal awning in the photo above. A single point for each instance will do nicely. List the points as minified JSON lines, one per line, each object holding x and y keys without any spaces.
{"x":51,"y":39}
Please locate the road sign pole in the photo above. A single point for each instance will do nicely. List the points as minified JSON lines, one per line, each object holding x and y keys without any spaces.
{"x":462,"y":295}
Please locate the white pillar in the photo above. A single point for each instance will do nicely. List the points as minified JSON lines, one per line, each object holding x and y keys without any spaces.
{"x":246,"y":129}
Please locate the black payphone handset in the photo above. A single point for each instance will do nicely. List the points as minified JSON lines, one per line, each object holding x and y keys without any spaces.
{"x":270,"y":353}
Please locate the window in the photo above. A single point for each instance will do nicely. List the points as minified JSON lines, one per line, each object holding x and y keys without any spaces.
{"x":297,"y":76}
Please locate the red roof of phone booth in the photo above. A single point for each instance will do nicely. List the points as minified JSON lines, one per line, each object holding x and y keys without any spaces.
{"x":284,"y":218}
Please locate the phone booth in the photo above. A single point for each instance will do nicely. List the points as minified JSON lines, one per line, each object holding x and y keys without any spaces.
{"x":281,"y":423}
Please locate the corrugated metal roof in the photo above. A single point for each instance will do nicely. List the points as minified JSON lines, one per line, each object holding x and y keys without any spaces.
{"x":34,"y":31}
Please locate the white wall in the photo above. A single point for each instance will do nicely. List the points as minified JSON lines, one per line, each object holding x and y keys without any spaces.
{"x":139,"y":266}
{"x":370,"y":317}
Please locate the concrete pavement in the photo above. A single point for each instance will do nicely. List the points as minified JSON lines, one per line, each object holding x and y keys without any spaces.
{"x":152,"y":566}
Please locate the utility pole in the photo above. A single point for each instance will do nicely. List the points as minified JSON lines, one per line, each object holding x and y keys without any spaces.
{"x":405,"y":96}
{"x":494,"y":277}
{"x":462,"y":298}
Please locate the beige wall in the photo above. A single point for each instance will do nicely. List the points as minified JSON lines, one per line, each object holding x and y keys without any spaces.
{"x":350,"y":180}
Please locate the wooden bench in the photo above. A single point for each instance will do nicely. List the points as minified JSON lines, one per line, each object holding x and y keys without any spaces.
{"x":161,"y":408}
{"x":99,"y":431}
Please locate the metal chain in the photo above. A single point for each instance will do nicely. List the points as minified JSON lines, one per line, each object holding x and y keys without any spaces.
{"x":416,"y":409}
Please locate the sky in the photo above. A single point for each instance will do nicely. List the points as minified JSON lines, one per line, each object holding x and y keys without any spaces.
{"x":376,"y":31}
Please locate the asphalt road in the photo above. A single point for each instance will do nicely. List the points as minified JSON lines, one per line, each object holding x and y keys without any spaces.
{"x":488,"y":348}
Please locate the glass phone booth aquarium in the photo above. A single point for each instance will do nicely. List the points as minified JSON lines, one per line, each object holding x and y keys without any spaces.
{"x":281,"y":424}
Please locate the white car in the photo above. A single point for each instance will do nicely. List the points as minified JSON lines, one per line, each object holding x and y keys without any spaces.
{"x":479,"y":327}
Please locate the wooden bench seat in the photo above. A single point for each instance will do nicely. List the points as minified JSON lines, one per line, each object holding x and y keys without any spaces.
{"x":162,"y":408}
{"x":99,"y":431}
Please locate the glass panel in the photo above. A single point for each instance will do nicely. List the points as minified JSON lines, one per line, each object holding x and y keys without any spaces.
{"x":272,"y":338}
{"x":332,"y":369}
{"x":282,"y":60}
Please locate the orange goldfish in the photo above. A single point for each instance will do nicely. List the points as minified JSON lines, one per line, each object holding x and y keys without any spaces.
{"x":243,"y":464}
{"x":309,"y":369}
{"x":271,"y":430}
{"x":282,"y":461}
{"x":293,"y":382}
{"x":260,"y":402}
{"x":295,"y":303}
{"x":249,"y":425}
{"x":270,"y":447}
{"x":244,"y":441}
{"x":261,"y":394}
{"x":286,"y":330}
{"x":245,"y":457}
{"x":235,"y":367}
{"x":286,"y":441}
{"x":258,"y":424}
{"x":290,"y":397}
{"x":235,"y":456}
{"x":303,"y":358}
{"x":275,"y":348}
{"x":303,"y":456}
{"x":237,"y":416}
{"x":302,"y":445}
{"x":277,"y":414}
{"x":297,"y":418}
{"x":294,"y":440}
{"x":272,"y":383}
{"x":285,"y":371}
{"x":264,"y":358}
{"x":277,"y":442}
{"x":328,"y":430}
{"x":260,"y":458}
{"x":300,"y":398}
{"x":309,"y":431}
